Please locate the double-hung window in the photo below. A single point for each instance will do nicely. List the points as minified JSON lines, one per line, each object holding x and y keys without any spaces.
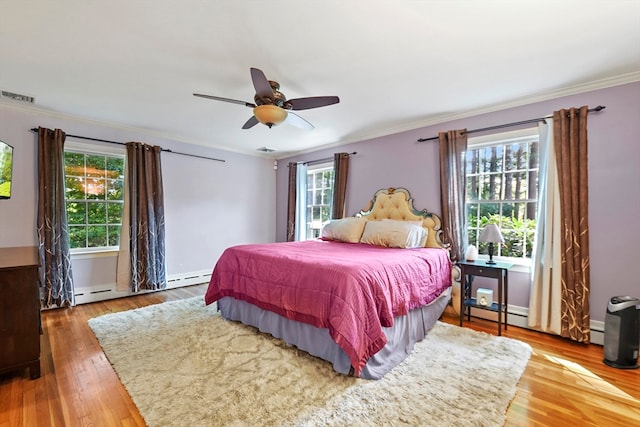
{"x":94,"y":189}
{"x":502,"y":188}
{"x":318,"y":196}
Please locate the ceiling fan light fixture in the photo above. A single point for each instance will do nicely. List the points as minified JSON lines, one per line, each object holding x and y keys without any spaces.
{"x":272,"y":107}
{"x":270,"y":115}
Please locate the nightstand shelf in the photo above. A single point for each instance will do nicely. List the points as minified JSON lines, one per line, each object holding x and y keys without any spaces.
{"x":471,"y":302}
{"x":481,"y":268}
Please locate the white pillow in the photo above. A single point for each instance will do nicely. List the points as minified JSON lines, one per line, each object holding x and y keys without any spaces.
{"x":344,"y":230}
{"x":394,"y":234}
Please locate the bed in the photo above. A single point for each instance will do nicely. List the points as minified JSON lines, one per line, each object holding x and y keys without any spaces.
{"x":359,"y":297}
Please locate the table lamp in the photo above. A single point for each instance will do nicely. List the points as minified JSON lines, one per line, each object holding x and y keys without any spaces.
{"x":491,"y":234}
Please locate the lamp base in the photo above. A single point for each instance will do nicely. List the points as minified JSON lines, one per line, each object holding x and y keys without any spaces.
{"x":491,"y":261}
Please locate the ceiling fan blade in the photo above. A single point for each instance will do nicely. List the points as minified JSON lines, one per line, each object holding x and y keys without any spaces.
{"x":295,"y":120}
{"x":250,"y":123}
{"x":261,"y":84}
{"x":312,"y":102}
{"x":219,"y":98}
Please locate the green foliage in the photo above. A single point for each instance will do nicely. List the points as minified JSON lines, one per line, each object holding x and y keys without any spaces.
{"x":517,"y":233}
{"x":113,"y":232}
{"x":5,"y":187}
{"x":115,"y":189}
{"x":114,"y":213}
{"x":6,"y":161}
{"x":76,"y":212}
{"x":96,"y":236}
{"x":5,"y":173}
{"x":77,"y":237}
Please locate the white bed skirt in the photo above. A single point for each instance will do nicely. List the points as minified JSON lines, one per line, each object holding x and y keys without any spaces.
{"x":401,"y":337}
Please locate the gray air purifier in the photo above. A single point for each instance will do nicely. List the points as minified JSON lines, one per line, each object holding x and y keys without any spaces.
{"x":622,"y":332}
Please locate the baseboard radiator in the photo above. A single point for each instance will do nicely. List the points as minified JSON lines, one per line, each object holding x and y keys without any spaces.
{"x":106,"y":292}
{"x":518,"y":316}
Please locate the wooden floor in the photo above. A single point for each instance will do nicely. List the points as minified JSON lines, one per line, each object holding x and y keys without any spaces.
{"x":565,"y":384}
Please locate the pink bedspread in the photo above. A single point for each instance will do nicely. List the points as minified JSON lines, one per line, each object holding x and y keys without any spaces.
{"x":353,"y":290}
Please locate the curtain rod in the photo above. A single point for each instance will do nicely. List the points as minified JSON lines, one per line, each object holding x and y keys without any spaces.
{"x":523,"y":122}
{"x":122,"y":143}
{"x":326,"y":159}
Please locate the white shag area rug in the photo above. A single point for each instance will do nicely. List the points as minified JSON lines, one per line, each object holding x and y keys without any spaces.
{"x":184,"y":365}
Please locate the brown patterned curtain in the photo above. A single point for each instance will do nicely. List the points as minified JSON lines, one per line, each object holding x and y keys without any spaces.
{"x":145,"y":202}
{"x":570,"y":141}
{"x":453,"y":147}
{"x":291,"y":202}
{"x":56,"y":278}
{"x":341,"y":172}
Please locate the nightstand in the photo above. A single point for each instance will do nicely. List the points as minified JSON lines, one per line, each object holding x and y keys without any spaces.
{"x":499,"y":271}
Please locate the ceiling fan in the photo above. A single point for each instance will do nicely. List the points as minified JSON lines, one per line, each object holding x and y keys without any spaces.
{"x":272,"y":107}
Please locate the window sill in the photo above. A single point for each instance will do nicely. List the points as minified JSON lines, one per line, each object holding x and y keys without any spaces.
{"x":94,"y":253}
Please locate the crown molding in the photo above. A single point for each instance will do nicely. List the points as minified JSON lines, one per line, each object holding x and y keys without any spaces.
{"x":543,"y":96}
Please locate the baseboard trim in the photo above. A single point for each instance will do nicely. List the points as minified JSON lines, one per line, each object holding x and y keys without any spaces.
{"x":519,"y":316}
{"x":107,"y":292}
{"x":597,"y":332}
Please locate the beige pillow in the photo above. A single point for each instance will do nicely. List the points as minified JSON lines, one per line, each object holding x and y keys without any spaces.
{"x":414,"y":222}
{"x":394,"y":234}
{"x":344,"y":230}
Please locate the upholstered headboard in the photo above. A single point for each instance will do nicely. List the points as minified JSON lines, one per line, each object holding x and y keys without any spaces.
{"x":396,"y":203}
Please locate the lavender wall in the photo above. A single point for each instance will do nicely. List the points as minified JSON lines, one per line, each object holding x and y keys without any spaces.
{"x":205,"y":214}
{"x":614,"y":181}
{"x":208,"y":205}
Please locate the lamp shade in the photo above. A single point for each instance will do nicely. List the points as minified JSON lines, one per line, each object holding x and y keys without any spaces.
{"x":491,"y":234}
{"x":269,"y":114}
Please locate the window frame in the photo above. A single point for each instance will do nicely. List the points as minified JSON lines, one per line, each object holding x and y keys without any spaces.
{"x":502,"y":139}
{"x":98,"y":150}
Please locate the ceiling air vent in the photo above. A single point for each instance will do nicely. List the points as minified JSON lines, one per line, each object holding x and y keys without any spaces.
{"x":266,"y":150}
{"x":18,"y":97}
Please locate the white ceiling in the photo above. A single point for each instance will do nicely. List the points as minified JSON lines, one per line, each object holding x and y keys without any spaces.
{"x":396,"y":65}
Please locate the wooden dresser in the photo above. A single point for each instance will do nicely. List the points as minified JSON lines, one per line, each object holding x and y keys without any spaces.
{"x":19,"y":310}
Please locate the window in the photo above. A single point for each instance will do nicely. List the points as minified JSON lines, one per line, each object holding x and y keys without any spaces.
{"x":319,"y":198}
{"x":502,"y":188}
{"x":94,"y":184}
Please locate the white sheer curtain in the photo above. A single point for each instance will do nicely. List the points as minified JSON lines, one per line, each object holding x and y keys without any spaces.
{"x":301,"y":203}
{"x":123,"y":264}
{"x":545,"y":298}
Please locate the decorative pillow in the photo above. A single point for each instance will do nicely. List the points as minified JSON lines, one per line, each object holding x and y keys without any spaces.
{"x":394,"y":234}
{"x":414,"y":222}
{"x":344,"y":230}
